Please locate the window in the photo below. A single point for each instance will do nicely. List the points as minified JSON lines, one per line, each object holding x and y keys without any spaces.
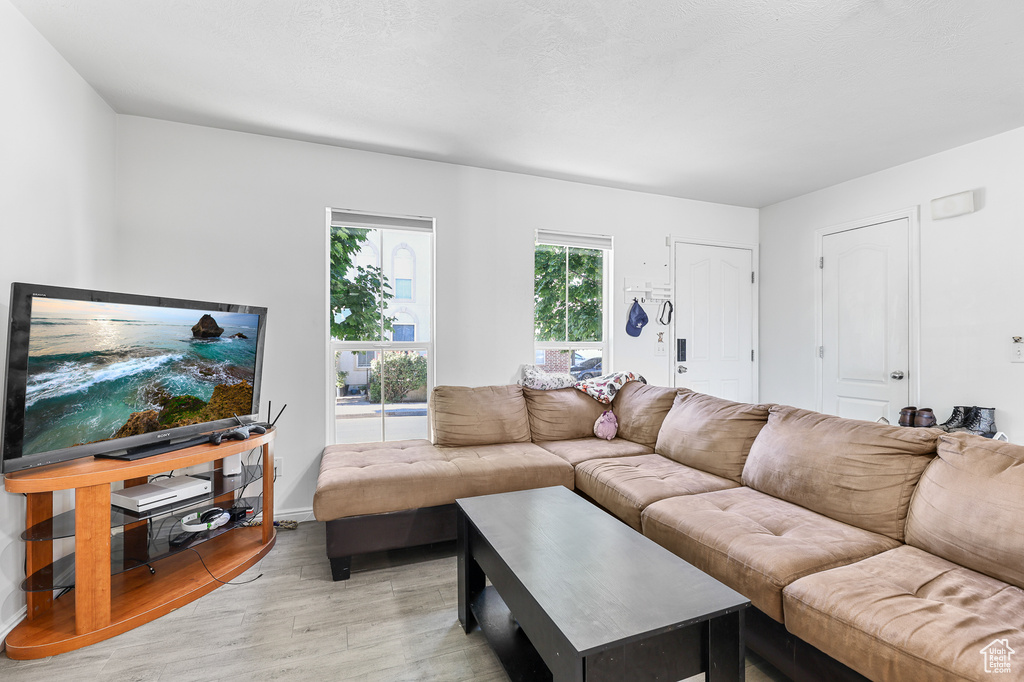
{"x":571,"y":295}
{"x":380,"y":298}
{"x":404,"y":332}
{"x":404,"y":264}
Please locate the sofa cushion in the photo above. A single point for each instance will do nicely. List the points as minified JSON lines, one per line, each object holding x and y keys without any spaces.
{"x":906,"y":614}
{"x":969,"y":507}
{"x":641,"y":409}
{"x":710,"y":434}
{"x":626,"y":485}
{"x":562,"y":414}
{"x":857,"y":472}
{"x":372,"y":478}
{"x":478,"y":416}
{"x":581,"y":449}
{"x":754,"y":543}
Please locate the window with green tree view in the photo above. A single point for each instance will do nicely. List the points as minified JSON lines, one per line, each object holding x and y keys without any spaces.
{"x":381,"y":295}
{"x":570,"y":298}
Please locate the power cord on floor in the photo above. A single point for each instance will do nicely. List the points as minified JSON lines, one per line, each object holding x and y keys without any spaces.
{"x":222,"y":582}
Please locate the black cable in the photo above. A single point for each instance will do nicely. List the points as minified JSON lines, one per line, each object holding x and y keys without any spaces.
{"x":222,"y":582}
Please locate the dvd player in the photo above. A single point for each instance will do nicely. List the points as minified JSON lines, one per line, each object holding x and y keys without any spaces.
{"x":160,"y":493}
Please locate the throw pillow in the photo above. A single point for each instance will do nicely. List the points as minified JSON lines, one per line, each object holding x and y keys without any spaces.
{"x":606,"y":425}
{"x":544,"y":381}
{"x":603,"y":389}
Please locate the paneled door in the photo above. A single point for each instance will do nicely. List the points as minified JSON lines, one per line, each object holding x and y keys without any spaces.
{"x":714,"y":329}
{"x":865,"y":321}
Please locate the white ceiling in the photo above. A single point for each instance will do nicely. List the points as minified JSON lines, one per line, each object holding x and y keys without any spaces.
{"x":741,"y":102}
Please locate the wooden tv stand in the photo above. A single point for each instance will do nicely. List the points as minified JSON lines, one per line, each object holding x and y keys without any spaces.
{"x":102,"y":605}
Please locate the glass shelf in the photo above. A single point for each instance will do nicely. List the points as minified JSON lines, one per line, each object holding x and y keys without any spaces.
{"x":63,"y":525}
{"x":136,"y":547}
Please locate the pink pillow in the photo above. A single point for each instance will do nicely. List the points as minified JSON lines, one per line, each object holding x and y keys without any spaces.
{"x":606,"y":425}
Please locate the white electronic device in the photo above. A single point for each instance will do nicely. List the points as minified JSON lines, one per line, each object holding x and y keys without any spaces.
{"x":215,"y":518}
{"x":232,"y":465}
{"x":160,"y":493}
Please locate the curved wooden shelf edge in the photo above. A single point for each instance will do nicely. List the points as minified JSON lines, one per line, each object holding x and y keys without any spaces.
{"x":79,"y":473}
{"x":141,"y":597}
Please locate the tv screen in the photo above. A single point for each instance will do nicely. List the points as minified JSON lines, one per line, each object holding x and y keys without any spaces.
{"x":93,"y":372}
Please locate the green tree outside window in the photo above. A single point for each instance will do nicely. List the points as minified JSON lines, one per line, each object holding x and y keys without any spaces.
{"x":568,"y":294}
{"x":361,"y":290}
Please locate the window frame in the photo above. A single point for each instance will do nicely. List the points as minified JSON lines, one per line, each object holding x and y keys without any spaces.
{"x":605,"y":244}
{"x":384,"y":222}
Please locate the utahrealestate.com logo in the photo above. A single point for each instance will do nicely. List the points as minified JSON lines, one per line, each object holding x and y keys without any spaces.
{"x":997,"y":656}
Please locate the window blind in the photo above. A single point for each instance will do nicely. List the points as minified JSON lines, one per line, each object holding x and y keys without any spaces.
{"x":583,"y":241}
{"x":347,"y":218}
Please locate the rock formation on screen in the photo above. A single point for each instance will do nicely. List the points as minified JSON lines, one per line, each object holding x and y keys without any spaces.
{"x":206,"y":328}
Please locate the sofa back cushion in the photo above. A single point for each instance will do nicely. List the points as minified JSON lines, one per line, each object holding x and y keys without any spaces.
{"x":478,"y":416}
{"x":858,"y":472}
{"x":641,"y":409}
{"x":710,"y":434}
{"x":969,"y":506}
{"x":563,"y":414}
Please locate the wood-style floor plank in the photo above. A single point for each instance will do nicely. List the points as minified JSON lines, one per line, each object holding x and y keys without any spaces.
{"x":394,"y":620}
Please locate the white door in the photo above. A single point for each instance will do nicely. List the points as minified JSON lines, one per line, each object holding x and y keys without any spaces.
{"x":714,"y":344}
{"x":865,"y":321}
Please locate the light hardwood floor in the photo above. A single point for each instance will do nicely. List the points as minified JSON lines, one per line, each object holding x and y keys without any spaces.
{"x":394,"y":620}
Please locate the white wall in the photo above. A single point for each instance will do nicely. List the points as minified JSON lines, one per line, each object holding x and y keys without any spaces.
{"x":970,"y":279}
{"x":211,"y":214}
{"x":56,"y":209}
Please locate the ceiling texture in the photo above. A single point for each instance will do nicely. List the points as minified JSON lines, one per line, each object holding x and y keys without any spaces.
{"x":745,"y":102}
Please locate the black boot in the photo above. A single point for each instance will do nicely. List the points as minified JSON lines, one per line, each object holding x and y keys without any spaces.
{"x":961,"y":415}
{"x":982,"y":422}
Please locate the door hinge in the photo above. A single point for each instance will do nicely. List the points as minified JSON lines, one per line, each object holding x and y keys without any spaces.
{"x":821,"y":263}
{"x":751,"y":277}
{"x":751,"y":355}
{"x":821,"y":351}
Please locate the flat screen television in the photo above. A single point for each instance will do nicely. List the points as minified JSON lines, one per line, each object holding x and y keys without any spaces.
{"x":108,"y":374}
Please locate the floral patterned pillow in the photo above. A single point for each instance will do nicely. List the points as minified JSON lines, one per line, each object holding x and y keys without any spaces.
{"x":603,"y":389}
{"x":545,"y":381}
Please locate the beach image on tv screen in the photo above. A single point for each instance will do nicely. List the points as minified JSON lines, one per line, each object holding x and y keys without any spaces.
{"x":98,"y":371}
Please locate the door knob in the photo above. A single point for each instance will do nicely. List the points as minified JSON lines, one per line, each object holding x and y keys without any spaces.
{"x":681,"y":369}
{"x":897,"y":375}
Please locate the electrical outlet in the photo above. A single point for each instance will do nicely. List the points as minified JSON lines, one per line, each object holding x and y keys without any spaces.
{"x":1016,"y":349}
{"x":278,"y":467}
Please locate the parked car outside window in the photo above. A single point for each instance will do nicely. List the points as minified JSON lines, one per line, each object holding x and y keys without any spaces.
{"x":587,"y":369}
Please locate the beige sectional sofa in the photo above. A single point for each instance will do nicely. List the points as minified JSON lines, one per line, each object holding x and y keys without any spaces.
{"x":866,"y":549}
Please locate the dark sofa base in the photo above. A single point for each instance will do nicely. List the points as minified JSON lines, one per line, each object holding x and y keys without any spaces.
{"x":793,"y":657}
{"x":380,"y":532}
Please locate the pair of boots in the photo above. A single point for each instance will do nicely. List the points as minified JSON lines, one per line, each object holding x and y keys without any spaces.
{"x":911,"y":416}
{"x":980,"y":421}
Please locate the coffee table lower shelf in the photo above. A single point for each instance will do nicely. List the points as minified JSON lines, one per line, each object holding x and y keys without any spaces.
{"x":672,"y":655}
{"x":510,"y":644}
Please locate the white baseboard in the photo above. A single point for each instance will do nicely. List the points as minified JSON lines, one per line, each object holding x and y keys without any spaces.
{"x":301,"y":514}
{"x":5,"y":628}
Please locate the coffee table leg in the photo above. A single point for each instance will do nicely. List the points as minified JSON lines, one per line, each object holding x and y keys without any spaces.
{"x":471,"y":576}
{"x":726,"y":650}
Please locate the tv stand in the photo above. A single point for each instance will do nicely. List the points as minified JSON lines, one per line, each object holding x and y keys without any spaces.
{"x":107,"y":600}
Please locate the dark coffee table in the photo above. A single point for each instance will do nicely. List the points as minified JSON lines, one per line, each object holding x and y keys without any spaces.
{"x":578,"y":595}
